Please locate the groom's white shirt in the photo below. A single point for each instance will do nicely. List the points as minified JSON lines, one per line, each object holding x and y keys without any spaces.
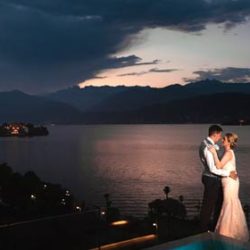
{"x":211,"y":164}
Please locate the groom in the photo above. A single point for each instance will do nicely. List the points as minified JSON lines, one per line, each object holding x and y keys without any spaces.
{"x":211,"y":179}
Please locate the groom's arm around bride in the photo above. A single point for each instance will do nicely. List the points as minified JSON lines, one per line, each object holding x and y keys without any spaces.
{"x":211,"y":179}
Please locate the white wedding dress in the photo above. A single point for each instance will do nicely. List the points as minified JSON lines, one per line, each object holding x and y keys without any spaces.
{"x":232,"y":221}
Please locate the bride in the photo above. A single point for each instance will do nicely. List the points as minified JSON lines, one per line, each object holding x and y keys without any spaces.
{"x":232,"y":221}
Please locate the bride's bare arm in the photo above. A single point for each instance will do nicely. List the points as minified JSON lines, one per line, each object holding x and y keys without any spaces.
{"x":221,"y":163}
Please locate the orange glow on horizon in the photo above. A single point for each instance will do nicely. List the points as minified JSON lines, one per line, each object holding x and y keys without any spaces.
{"x":156,"y":80}
{"x":152,"y":81}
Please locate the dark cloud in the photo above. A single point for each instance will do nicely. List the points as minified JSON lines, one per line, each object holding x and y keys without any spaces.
{"x":133,"y":74}
{"x":148,"y":63}
{"x":99,"y":77}
{"x":127,"y":61}
{"x":229,"y":74}
{"x":46,"y":45}
{"x":154,"y":70}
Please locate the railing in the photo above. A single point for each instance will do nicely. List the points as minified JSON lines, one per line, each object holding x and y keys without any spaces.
{"x":192,"y":205}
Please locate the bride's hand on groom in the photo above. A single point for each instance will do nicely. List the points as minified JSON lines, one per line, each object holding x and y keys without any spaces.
{"x":233,"y":175}
{"x":212,"y":149}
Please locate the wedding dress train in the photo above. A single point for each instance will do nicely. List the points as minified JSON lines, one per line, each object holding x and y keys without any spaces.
{"x":232,"y":221}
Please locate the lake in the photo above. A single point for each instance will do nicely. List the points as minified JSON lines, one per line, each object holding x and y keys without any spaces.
{"x":131,"y":162}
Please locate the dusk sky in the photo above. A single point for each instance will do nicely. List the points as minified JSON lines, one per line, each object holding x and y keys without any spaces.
{"x":50,"y":45}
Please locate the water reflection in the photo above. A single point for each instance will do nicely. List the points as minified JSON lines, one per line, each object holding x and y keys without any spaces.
{"x":131,"y":162}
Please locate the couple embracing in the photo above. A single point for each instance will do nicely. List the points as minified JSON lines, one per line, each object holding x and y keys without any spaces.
{"x":221,"y":187}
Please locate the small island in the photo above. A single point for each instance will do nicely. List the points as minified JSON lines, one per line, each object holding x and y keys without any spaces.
{"x":20,"y":129}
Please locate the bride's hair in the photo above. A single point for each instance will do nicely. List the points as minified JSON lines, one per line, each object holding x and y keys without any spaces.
{"x":232,"y":139}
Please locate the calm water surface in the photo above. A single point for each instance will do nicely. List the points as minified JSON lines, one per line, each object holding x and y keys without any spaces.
{"x":131,"y":162}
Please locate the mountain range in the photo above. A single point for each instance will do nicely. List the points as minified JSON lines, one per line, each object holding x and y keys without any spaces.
{"x":17,"y":106}
{"x":208,"y":101}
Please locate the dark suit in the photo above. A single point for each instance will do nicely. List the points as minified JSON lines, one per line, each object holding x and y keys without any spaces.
{"x":213,"y":194}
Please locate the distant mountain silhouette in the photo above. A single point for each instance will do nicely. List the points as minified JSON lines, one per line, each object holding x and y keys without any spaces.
{"x":18,"y":106}
{"x":208,"y":101}
{"x":85,"y":99}
{"x":121,"y":98}
{"x":215,"y":108}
